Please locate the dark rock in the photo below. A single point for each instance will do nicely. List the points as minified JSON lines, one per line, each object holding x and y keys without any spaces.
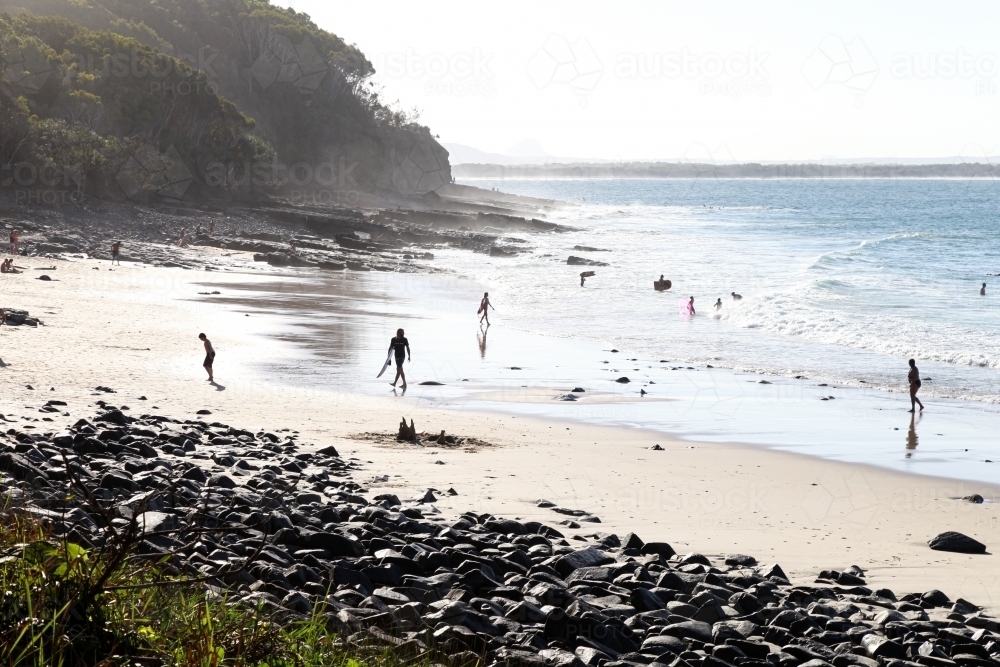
{"x":221,"y":481}
{"x":588,"y":557}
{"x":879,"y":647}
{"x":114,"y":417}
{"x":659,"y":548}
{"x":956,"y":542}
{"x":739,"y":560}
{"x":692,"y":630}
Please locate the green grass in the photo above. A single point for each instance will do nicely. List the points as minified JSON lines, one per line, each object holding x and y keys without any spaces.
{"x":62,"y":605}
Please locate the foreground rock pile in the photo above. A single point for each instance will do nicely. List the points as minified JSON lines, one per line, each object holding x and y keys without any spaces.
{"x":301,"y":535}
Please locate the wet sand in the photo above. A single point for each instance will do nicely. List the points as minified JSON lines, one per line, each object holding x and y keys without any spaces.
{"x":135,"y":330}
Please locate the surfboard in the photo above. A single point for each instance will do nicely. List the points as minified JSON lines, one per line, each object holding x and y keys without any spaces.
{"x":388,"y":360}
{"x":662,"y":285}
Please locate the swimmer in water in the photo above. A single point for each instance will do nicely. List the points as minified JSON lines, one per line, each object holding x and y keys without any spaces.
{"x":718,"y":304}
{"x":982,"y":292}
{"x":691,"y":305}
{"x":913,"y":377}
{"x":736,"y":297}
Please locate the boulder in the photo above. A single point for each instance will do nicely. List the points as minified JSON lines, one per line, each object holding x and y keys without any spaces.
{"x":956,"y":542}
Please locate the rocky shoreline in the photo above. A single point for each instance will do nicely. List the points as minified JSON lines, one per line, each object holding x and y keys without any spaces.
{"x":373,"y":238}
{"x":273,"y":522}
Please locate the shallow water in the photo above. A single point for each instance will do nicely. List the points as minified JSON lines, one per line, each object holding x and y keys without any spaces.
{"x":842,"y":280}
{"x":340,"y":326}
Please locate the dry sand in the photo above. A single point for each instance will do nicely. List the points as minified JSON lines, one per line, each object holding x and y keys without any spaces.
{"x":135,"y":329}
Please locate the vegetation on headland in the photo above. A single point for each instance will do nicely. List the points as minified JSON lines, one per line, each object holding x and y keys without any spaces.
{"x":207,"y":97}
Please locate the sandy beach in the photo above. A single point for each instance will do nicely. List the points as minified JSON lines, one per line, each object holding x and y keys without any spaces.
{"x":135,"y":328}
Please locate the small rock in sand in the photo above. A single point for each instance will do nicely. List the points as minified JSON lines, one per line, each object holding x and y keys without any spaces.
{"x":623,"y":380}
{"x":974,"y":498}
{"x":656,"y":448}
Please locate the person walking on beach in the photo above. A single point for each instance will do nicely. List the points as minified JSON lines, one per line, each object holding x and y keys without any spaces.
{"x":982,"y":292}
{"x":484,"y":308}
{"x":913,"y":377}
{"x":401,"y":347}
{"x":115,"y":256}
{"x":209,"y":356}
{"x":718,"y":304}
{"x":14,"y":237}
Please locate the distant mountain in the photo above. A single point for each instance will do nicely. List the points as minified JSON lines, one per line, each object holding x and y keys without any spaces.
{"x":530,"y":152}
{"x":527,"y":151}
{"x":583,"y":170}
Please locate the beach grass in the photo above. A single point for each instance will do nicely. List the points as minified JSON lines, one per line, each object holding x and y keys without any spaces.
{"x":64,"y":605}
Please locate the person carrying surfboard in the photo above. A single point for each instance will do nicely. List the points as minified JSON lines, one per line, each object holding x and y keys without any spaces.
{"x":401,"y":347}
{"x":484,"y":307}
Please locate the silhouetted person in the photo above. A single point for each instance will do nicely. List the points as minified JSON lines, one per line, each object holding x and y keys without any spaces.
{"x":913,"y":377}
{"x":209,"y":356}
{"x":401,"y":348}
{"x":484,"y":308}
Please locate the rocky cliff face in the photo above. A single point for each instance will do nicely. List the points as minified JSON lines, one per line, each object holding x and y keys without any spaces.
{"x":418,"y":164}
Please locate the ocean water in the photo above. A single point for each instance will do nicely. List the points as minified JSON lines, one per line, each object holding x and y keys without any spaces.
{"x":842,"y":280}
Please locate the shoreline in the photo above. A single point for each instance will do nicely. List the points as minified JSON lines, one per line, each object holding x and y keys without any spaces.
{"x":693,"y":403}
{"x":608,"y":470}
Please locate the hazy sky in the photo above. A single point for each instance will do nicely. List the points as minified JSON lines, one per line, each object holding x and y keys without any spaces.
{"x":695,"y":79}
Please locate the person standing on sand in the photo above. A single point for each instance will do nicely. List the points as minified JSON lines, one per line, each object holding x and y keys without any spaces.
{"x":209,"y":356}
{"x":14,"y":236}
{"x":115,"y":256}
{"x":484,"y":308}
{"x":401,"y":347}
{"x":211,"y":227}
{"x":982,"y":292}
{"x":913,"y":377}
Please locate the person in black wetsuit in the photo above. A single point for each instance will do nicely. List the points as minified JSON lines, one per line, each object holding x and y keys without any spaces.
{"x":913,"y":377}
{"x":401,"y":348}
